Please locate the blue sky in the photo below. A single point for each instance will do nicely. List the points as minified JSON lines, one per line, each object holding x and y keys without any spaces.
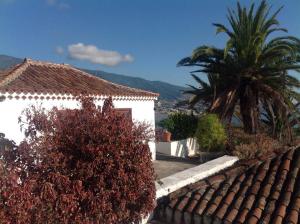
{"x":143,"y":38}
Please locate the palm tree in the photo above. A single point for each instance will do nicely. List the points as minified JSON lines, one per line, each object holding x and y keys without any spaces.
{"x":252,"y":67}
{"x":278,"y":126}
{"x":206,"y":92}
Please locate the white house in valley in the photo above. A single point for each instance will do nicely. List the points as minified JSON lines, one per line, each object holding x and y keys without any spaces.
{"x":49,"y":85}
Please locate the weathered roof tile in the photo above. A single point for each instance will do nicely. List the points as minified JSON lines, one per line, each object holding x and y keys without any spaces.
{"x":49,"y":78}
{"x":263,"y":192}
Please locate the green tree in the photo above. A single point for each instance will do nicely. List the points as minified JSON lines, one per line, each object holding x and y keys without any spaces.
{"x":181,"y":125}
{"x":251,"y":70}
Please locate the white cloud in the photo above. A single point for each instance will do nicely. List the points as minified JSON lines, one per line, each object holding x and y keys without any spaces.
{"x":59,"y":50}
{"x":95,"y":55}
{"x":58,"y":4}
{"x":63,"y":5}
{"x":51,"y":2}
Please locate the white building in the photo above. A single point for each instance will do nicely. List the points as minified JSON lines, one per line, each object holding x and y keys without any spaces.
{"x":49,"y":85}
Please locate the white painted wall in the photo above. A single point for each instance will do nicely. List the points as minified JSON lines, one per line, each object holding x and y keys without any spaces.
{"x":11,"y":110}
{"x":181,"y":179}
{"x":181,"y":148}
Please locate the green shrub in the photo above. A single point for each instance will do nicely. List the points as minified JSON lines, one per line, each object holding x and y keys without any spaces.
{"x":181,"y":125}
{"x":210,"y":134}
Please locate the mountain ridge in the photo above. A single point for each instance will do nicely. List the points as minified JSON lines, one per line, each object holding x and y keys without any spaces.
{"x":167,"y":91}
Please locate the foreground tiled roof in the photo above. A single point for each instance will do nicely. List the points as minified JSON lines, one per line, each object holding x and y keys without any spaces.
{"x":49,"y":78}
{"x":257,"y":192}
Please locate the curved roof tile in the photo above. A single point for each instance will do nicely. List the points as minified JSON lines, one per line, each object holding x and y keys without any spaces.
{"x":260,"y":192}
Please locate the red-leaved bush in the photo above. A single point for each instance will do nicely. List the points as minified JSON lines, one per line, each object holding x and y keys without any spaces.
{"x":78,"y":166}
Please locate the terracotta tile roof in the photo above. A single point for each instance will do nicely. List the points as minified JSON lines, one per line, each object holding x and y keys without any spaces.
{"x":42,"y":77}
{"x":258,"y":192}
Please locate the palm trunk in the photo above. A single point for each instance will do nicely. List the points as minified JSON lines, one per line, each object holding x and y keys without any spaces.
{"x":249,"y":110}
{"x":282,"y":107}
{"x":224,"y":104}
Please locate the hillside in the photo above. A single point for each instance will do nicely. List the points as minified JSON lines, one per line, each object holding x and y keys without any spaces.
{"x":167,"y":91}
{"x":8,"y":61}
